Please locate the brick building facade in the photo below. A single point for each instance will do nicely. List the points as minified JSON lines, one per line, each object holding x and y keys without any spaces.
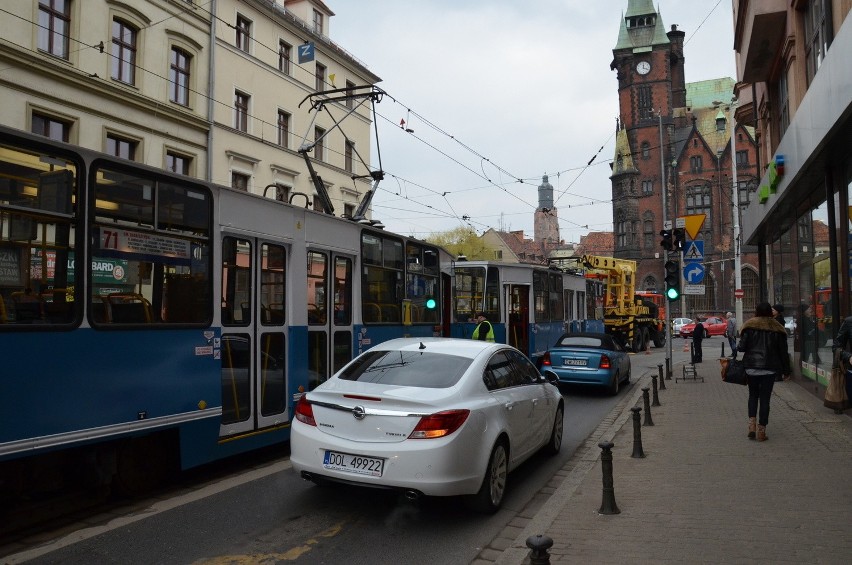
{"x":675,"y":137}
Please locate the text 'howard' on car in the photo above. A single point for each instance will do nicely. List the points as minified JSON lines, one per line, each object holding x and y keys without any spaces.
{"x":588,"y":358}
{"x":428,"y":416}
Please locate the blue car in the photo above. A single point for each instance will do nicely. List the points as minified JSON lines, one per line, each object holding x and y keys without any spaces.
{"x":589,"y":359}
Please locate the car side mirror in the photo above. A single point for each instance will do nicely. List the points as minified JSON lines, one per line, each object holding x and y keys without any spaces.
{"x":551,"y":378}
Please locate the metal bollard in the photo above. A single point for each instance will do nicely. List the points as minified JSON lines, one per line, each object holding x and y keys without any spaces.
{"x":638,"y":452}
{"x":661,"y":379}
{"x":668,"y":369}
{"x":647,"y":400}
{"x":656,"y":398}
{"x":539,"y":545}
{"x":608,"y":505}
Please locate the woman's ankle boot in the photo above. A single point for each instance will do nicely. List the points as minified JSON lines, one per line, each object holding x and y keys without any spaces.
{"x":752,"y":426}
{"x":761,"y":433}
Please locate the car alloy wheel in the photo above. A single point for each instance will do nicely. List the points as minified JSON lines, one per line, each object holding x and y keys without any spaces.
{"x":490,"y":494}
{"x":555,"y":443}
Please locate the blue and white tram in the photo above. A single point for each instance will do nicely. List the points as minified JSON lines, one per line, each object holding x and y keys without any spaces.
{"x":151,"y":321}
{"x":529,"y":306}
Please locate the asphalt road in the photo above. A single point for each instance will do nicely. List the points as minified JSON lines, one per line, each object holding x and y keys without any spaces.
{"x":267,"y":514}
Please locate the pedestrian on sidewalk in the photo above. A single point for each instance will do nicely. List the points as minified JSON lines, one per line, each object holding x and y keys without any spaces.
{"x":698,"y":335}
{"x":731,"y":333}
{"x":763,"y":342}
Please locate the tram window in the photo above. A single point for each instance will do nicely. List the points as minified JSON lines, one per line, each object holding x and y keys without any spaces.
{"x":236,"y":385}
{"x":342,"y":291}
{"x":272,"y":285}
{"x":557,"y":304}
{"x":468,"y":286}
{"x":492,"y":295}
{"x":236,"y":281}
{"x":317,"y":288}
{"x":151,"y":255}
{"x":421,"y":283}
{"x":273,"y":390}
{"x":382,"y":279}
{"x":540,"y":296}
{"x":38,"y":216}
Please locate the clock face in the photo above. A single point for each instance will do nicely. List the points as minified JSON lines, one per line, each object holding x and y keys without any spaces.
{"x":643,"y":67}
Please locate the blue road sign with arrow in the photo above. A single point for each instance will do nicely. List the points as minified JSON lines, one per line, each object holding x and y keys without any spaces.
{"x":693,"y":273}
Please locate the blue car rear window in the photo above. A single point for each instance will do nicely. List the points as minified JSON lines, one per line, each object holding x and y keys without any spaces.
{"x":581,"y":342}
{"x":407,"y":368}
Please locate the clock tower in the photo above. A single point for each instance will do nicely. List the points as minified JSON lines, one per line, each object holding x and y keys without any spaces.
{"x":649,"y":64}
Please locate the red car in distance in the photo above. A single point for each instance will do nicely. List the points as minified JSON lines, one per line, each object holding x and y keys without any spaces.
{"x":714,"y":326}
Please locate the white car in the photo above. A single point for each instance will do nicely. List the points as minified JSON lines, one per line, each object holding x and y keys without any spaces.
{"x":678,"y":323}
{"x":790,"y":324}
{"x":428,"y":416}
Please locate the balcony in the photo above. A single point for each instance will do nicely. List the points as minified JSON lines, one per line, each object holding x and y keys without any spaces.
{"x":758,"y":35}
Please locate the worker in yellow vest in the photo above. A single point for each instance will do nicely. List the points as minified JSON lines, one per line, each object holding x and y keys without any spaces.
{"x":484,"y":330}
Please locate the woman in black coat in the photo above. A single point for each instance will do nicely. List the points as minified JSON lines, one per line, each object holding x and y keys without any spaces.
{"x":764,"y":344}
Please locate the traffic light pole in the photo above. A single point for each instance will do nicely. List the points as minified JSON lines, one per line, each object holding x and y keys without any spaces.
{"x":664,"y":191}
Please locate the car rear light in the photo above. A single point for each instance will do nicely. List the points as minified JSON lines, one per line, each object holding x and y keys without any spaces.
{"x":605,"y":362}
{"x":545,"y":361}
{"x":440,"y":424}
{"x":305,"y":412}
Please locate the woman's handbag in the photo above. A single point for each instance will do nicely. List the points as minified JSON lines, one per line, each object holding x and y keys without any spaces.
{"x":733,"y":371}
{"x":835,"y":394}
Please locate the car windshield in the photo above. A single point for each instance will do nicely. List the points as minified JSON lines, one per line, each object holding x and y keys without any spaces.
{"x":407,"y":368}
{"x":577,"y":341}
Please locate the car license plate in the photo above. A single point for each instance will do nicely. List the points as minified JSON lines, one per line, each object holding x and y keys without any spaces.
{"x":356,"y":464}
{"x":574,"y":362}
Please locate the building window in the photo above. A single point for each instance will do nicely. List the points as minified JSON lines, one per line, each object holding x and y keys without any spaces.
{"x":646,"y":109}
{"x":350,"y":90}
{"x":744,"y":191}
{"x":646,"y":150}
{"x":239,"y":181}
{"x":319,"y":149}
{"x":647,"y":187}
{"x":120,"y":147}
{"x":348,"y":165}
{"x":699,"y":200}
{"x":54,"y":20}
{"x":52,"y":128}
{"x":320,"y":77}
{"x":742,"y":159}
{"x":241,"y":109}
{"x":123,"y":52}
{"x":177,"y":163}
{"x":649,"y":234}
{"x":283,"y":128}
{"x":284,"y":51}
{"x":815,"y":37}
{"x":783,"y":105}
{"x":696,"y":164}
{"x":179,"y":77}
{"x":318,"y":22}
{"x":348,"y":210}
{"x":243,"y":33}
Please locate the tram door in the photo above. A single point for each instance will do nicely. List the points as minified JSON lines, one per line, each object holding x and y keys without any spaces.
{"x":254,"y":329}
{"x":518,"y":300}
{"x":329,"y":306}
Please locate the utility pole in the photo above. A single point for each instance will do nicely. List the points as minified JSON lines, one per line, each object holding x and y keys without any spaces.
{"x":664,"y":191}
{"x":735,"y":210}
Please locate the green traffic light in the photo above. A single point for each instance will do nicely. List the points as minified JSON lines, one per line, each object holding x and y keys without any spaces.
{"x":430,"y":303}
{"x":672,"y":294}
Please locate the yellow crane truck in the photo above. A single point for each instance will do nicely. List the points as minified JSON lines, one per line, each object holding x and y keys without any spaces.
{"x":635,"y":319}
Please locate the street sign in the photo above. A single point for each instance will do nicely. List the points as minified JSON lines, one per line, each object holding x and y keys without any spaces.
{"x":693,"y":223}
{"x":693,"y":273}
{"x":695,"y":289}
{"x":680,"y":222}
{"x":667,"y":225}
{"x":739,"y":293}
{"x":694,"y":251}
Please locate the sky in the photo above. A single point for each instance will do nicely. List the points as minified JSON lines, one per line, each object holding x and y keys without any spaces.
{"x":499,"y":93}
